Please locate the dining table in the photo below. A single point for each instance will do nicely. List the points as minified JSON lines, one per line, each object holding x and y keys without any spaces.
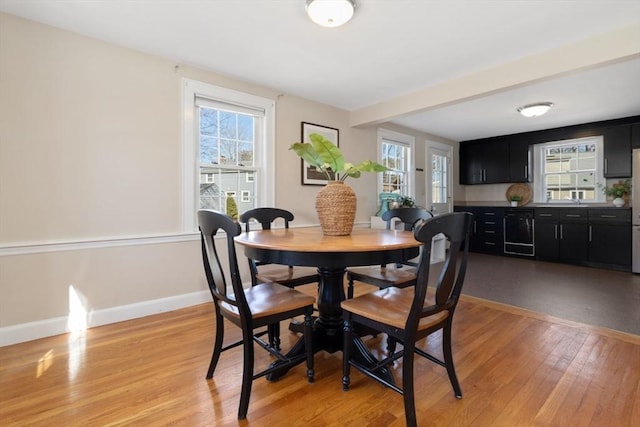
{"x":331,"y":255}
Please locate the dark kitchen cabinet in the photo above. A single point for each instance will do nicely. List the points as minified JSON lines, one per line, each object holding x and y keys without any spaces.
{"x":617,"y":151}
{"x":635,"y":136}
{"x":487,"y":232}
{"x":562,"y":234}
{"x":610,"y":237}
{"x":519,"y":161}
{"x":484,"y":163}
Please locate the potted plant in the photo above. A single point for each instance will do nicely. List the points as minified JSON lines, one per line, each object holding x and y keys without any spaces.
{"x":336,"y":202}
{"x":618,"y":191}
{"x":515,"y":199}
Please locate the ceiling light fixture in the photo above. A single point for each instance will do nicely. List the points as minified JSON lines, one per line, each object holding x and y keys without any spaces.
{"x":535,"y":110}
{"x":330,"y":13}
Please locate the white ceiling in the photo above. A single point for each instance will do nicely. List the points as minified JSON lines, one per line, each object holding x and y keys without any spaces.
{"x":391,"y":49}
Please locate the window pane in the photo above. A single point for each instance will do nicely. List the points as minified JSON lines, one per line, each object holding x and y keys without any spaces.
{"x":439,"y":179}
{"x":570,"y":171}
{"x":395,"y":156}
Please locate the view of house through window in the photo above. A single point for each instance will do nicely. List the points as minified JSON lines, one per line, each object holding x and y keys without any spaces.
{"x":396,"y":154}
{"x":570,"y":170}
{"x":227,"y":150}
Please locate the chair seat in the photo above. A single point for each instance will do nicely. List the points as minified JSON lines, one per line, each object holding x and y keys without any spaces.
{"x":390,"y":306}
{"x":284,"y":275}
{"x":384,"y":276}
{"x":270,"y":298}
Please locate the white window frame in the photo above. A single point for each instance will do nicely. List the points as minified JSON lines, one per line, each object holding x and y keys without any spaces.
{"x":538,"y":155}
{"x":400,"y":139}
{"x":264,"y":149}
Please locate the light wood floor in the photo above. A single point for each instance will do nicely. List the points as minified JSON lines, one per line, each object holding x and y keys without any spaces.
{"x":516,"y":368}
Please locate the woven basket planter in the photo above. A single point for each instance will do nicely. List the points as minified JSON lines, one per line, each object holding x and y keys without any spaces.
{"x":336,"y":208}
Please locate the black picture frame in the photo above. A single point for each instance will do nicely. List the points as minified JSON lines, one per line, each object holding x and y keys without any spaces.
{"x":310,"y":175}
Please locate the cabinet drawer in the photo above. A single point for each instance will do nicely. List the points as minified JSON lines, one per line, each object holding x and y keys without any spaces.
{"x":546,"y":214}
{"x":610,"y":214}
{"x":577,"y":214}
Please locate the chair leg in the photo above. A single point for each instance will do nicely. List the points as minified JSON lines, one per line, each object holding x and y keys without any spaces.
{"x":274,"y":335}
{"x":247,"y":374}
{"x":217,"y":346}
{"x":308,"y":344}
{"x":349,"y":286}
{"x":346,"y":354}
{"x":448,"y":359}
{"x":391,"y":345}
{"x":407,"y":385}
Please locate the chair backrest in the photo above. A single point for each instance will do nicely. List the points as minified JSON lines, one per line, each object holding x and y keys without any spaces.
{"x":456,"y":227}
{"x":266,"y":216}
{"x":408,"y":216}
{"x":210,"y":222}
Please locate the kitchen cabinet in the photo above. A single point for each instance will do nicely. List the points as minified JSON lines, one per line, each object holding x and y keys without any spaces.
{"x":487,"y":232}
{"x":617,"y":151}
{"x":562,"y":234}
{"x":519,"y":161}
{"x":635,"y":136}
{"x":610,"y":237}
{"x":484,"y":162}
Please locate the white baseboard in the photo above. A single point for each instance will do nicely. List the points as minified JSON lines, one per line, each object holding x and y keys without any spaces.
{"x":45,"y":328}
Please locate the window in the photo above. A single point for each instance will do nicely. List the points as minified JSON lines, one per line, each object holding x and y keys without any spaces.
{"x":570,"y":170}
{"x":228,"y":142}
{"x":396,"y":153}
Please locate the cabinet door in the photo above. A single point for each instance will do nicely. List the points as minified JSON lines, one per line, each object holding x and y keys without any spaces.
{"x":617,"y":151}
{"x":519,"y":161}
{"x":635,"y":136}
{"x":610,"y":244}
{"x":495,"y":162}
{"x":471,"y":164}
{"x":574,"y":238}
{"x":546,"y":235}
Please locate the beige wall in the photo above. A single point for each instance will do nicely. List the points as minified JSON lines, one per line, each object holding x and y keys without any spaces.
{"x":90,"y":172}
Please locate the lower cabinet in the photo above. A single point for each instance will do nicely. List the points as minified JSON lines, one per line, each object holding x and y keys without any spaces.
{"x":610,"y":237}
{"x":561,"y":234}
{"x":587,"y":236}
{"x":487,"y":233}
{"x":595,"y":237}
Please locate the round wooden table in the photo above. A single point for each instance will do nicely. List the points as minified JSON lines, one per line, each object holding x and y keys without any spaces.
{"x":331,"y":255}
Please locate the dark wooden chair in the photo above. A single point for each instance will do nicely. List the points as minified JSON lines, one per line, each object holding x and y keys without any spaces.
{"x":250,"y":309}
{"x":408,"y":315}
{"x":263,"y":272}
{"x":398,"y":275}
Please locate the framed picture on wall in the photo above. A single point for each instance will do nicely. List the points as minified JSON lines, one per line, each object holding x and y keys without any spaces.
{"x":310,"y":174}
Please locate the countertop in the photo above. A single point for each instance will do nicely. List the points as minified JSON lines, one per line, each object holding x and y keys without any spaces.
{"x":506,"y":204}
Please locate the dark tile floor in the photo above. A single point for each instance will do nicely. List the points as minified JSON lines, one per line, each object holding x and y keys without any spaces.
{"x":588,"y":295}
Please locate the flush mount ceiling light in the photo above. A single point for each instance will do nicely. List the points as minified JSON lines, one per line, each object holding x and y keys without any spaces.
{"x":330,"y":13}
{"x":535,"y":110}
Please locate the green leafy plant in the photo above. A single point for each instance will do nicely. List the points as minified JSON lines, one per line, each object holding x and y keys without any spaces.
{"x":407,"y":202}
{"x":515,"y":198}
{"x":619,"y":189}
{"x":327,"y":157}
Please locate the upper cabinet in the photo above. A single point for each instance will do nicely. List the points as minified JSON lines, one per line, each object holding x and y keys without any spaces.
{"x":519,"y":160}
{"x":484,"y":163}
{"x":617,"y":151}
{"x":507,"y":159}
{"x":635,"y":135}
{"x":493,"y":161}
